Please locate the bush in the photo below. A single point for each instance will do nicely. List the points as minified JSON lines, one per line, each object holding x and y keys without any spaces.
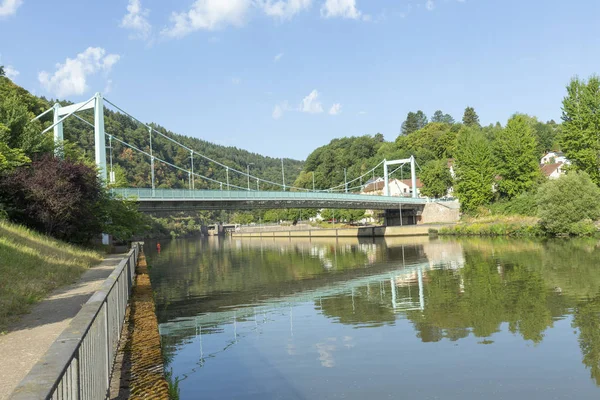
{"x":56,"y":197}
{"x":523,"y":204}
{"x":569,"y":205}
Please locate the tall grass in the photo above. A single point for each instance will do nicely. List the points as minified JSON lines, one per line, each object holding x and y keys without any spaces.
{"x":32,"y":265}
{"x":496,"y":225}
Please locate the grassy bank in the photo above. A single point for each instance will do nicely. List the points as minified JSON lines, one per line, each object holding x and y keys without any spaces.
{"x":32,"y":265}
{"x":496,"y":225}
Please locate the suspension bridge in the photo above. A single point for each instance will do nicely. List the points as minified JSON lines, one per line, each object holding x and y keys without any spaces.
{"x":222,"y":195}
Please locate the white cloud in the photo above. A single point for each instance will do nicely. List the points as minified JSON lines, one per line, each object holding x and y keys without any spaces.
{"x":277,"y":57}
{"x":236,"y":80}
{"x":283,"y":9}
{"x":10,"y":72}
{"x":280,"y":109}
{"x":310,"y":104}
{"x":335,"y":109}
{"x":340,"y":8}
{"x":430,"y":5}
{"x":136,"y":20}
{"x":9,"y":7}
{"x":361,"y":113}
{"x":70,"y":78}
{"x":208,"y":15}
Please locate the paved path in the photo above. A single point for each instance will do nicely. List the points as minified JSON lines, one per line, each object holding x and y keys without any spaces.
{"x":29,"y":339}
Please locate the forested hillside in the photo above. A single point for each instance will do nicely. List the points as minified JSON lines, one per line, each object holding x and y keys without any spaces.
{"x":131,"y":167}
{"x":492,"y":162}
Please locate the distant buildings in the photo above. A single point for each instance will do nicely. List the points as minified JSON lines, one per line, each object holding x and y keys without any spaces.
{"x":398,"y":187}
{"x":553,"y":171}
{"x":554,"y":157}
{"x":552,"y":164}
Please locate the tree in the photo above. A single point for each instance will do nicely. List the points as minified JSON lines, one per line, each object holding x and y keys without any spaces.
{"x":11,"y":158}
{"x":470,"y":118}
{"x":434,"y":141}
{"x":122,"y":219}
{"x":2,"y":73}
{"x":474,"y":169}
{"x":515,"y":153}
{"x":57,"y":197}
{"x":436,"y":179}
{"x":439,"y":116}
{"x":581,"y":126}
{"x":569,"y":205}
{"x":414,"y":122}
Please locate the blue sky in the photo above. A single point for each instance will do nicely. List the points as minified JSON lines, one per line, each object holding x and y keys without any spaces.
{"x":282,"y":77}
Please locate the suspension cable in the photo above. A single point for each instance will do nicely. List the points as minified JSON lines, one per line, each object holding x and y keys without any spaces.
{"x":202,"y":155}
{"x":157,"y":158}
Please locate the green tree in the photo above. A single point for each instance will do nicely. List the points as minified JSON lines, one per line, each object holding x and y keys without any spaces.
{"x":434,"y":141}
{"x":569,"y":205}
{"x":439,"y":116}
{"x":436,"y":179}
{"x":2,"y":73}
{"x":515,"y":153}
{"x":414,"y":122}
{"x":581,"y":126}
{"x":470,"y":118}
{"x":11,"y":158}
{"x":474,"y":169}
{"x":120,"y":177}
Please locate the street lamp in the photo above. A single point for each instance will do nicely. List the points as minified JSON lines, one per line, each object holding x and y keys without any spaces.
{"x":248,"y":173}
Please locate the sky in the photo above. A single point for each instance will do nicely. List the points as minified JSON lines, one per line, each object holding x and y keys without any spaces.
{"x":283,"y":77}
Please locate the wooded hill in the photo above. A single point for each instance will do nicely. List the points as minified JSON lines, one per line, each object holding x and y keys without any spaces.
{"x":131,"y":167}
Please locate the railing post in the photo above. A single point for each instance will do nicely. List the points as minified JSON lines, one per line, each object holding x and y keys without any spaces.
{"x":107,"y":341}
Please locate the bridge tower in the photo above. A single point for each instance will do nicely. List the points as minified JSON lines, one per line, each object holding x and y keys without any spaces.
{"x":386,"y":163}
{"x":97,"y":103}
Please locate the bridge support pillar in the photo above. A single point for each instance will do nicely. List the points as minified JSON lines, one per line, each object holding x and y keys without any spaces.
{"x":400,"y":217}
{"x":100,"y":136}
{"x":58,"y":132}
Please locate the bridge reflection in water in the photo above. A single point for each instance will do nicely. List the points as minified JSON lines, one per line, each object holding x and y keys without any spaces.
{"x":288,"y":304}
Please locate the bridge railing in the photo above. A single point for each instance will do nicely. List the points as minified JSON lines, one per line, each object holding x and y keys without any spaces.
{"x":79,"y":363}
{"x":223,"y":195}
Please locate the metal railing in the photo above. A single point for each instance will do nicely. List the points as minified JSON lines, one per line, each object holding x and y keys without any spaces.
{"x":145,"y":194}
{"x":79,"y":363}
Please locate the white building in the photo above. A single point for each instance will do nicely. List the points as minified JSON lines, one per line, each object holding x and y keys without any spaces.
{"x":553,"y":171}
{"x":398,"y":187}
{"x":554,"y":157}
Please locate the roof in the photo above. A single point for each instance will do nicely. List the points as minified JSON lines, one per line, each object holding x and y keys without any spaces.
{"x":408,"y":182}
{"x":373,"y":187}
{"x":374,"y":180}
{"x":549,"y":169}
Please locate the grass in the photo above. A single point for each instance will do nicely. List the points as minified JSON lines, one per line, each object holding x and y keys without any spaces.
{"x":496,"y":225}
{"x":32,"y":265}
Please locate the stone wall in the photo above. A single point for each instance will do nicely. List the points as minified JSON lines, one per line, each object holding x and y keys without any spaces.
{"x":440,"y":213}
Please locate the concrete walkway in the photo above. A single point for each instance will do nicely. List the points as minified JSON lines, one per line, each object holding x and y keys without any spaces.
{"x":29,"y":339}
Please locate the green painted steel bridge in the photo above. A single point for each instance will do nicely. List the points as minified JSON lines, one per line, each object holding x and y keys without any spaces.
{"x":184,"y":199}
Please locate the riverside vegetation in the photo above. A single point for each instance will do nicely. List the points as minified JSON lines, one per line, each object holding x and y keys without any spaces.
{"x":32,"y":265}
{"x":496,"y":167}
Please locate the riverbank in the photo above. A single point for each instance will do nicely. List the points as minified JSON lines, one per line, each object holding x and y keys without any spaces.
{"x":33,"y":265}
{"x":366,"y":231}
{"x":495,"y":225}
{"x":28,"y":339}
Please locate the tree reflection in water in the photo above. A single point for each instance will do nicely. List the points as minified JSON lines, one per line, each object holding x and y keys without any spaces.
{"x":446,"y":289}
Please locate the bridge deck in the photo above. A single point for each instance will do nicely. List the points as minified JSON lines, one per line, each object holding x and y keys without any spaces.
{"x":182,"y":199}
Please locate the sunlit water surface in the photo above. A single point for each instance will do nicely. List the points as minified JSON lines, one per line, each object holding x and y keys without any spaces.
{"x":409,"y":318}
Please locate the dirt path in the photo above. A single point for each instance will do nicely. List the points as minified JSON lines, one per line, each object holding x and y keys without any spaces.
{"x":29,"y":338}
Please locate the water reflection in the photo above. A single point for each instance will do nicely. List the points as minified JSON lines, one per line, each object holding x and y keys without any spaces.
{"x":286,"y":304}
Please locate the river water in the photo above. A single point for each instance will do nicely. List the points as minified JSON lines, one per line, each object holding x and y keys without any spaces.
{"x":407,"y":318}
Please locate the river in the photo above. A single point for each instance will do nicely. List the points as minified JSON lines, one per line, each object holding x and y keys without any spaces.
{"x":410,"y":318}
